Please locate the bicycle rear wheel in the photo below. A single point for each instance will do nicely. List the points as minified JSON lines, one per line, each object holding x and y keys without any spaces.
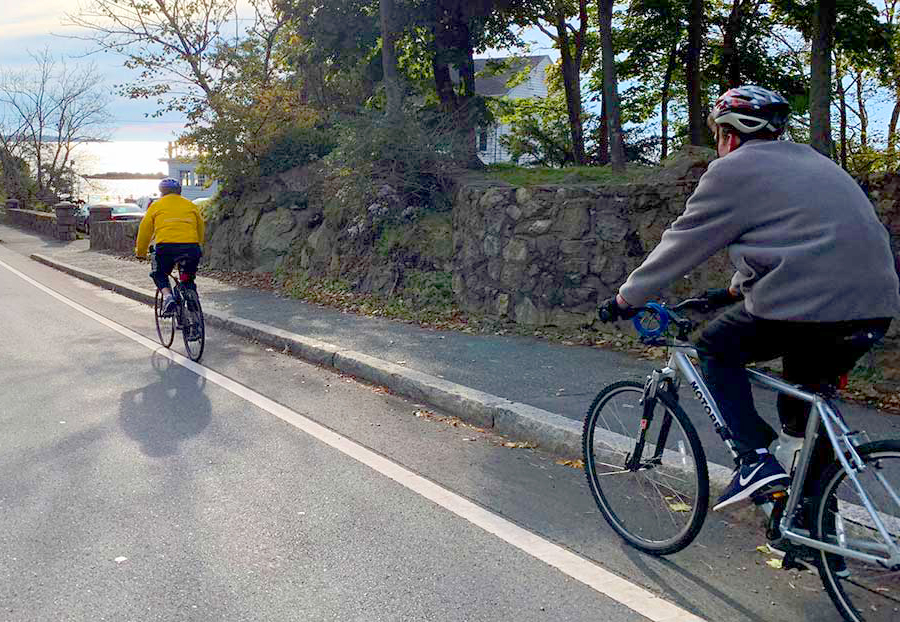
{"x":655,"y":493}
{"x":861,"y":591}
{"x":165,"y":326}
{"x":193,"y":328}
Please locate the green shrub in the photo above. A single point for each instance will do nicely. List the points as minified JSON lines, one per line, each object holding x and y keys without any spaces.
{"x":411,"y":155}
{"x":295,"y":147}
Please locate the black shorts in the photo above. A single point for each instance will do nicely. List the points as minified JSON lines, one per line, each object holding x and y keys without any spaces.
{"x":164,"y":261}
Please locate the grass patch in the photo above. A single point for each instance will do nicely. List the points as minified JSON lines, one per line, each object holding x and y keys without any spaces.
{"x":426,"y":299}
{"x":535,"y":176}
{"x":430,"y":290}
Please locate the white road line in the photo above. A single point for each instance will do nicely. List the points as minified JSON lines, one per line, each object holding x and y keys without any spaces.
{"x":592,"y":575}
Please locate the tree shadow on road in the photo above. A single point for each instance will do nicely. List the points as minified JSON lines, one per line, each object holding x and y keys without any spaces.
{"x":638,"y":559}
{"x":165,"y":413}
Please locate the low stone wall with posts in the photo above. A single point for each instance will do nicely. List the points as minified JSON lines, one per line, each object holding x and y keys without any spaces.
{"x":59,"y":224}
{"x":111,"y":235}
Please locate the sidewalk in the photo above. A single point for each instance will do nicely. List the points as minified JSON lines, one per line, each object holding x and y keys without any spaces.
{"x":537,"y":374}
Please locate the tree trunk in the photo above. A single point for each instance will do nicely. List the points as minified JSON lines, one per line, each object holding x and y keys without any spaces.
{"x":572,"y":82}
{"x":453,"y":44}
{"x":892,"y":126}
{"x":820,"y":77}
{"x":664,"y":104}
{"x":440,"y":65}
{"x":603,"y":139}
{"x":863,"y":115}
{"x":610,"y":88}
{"x":696,"y":123}
{"x":842,"y":109}
{"x":730,"y":69}
{"x":466,"y":103}
{"x":393,"y":91}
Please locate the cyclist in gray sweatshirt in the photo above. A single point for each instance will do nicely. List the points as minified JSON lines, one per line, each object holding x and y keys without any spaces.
{"x":814,"y":271}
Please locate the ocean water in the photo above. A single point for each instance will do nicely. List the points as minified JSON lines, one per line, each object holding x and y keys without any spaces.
{"x":118,"y":156}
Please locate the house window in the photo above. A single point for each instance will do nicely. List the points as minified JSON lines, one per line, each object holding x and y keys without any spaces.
{"x":201,"y":180}
{"x":483,"y":140}
{"x":185,"y":178}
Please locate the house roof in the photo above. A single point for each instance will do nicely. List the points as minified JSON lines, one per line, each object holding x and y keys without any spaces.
{"x":493,"y":74}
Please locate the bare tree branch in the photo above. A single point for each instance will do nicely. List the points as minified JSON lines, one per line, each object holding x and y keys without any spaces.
{"x":53,"y":108}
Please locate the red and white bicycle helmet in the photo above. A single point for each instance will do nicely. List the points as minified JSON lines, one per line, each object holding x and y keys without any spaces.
{"x":750,"y":109}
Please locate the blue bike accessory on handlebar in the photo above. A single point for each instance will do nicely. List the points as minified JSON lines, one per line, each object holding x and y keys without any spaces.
{"x":663,"y":317}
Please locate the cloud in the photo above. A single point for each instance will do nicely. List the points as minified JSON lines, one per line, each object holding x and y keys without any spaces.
{"x":36,"y":18}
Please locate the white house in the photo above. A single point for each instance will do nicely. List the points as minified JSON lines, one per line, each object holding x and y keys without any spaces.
{"x":491,"y":82}
{"x":194,"y":185}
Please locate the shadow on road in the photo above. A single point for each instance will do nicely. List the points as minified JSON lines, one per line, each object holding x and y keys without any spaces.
{"x":714,"y":593}
{"x":163,"y":414}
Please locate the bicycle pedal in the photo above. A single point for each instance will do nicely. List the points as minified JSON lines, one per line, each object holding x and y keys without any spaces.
{"x":771,"y":495}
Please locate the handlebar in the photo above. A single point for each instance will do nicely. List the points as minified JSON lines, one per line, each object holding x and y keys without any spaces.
{"x":653,"y":319}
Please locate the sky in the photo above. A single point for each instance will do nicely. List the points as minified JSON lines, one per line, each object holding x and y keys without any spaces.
{"x":27,"y":27}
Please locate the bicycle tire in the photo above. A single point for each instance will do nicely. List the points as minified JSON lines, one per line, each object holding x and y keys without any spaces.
{"x":165,"y":326}
{"x":691,"y":498}
{"x":876,"y":586}
{"x":192,"y":319}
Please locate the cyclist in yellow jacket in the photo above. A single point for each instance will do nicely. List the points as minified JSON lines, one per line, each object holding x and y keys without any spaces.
{"x":178,"y":228}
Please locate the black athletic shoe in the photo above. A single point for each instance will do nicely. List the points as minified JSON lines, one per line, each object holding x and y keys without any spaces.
{"x":752,"y":479}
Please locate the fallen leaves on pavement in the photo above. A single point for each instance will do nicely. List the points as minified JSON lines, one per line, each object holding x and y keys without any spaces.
{"x":574,"y":464}
{"x":519,"y":445}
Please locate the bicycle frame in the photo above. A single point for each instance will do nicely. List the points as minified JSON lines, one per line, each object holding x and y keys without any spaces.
{"x":839,"y":435}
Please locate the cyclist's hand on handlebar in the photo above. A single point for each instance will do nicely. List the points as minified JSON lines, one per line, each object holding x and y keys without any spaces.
{"x":721,"y":297}
{"x":611,"y":311}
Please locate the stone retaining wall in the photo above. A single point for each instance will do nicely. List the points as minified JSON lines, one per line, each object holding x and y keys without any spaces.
{"x":114,"y":235}
{"x":545,"y":256}
{"x":884,"y":190}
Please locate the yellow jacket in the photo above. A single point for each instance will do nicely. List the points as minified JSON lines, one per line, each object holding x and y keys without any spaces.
{"x":172,"y":219}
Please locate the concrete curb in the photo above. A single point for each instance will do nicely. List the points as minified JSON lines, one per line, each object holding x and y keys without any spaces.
{"x":552,"y":432}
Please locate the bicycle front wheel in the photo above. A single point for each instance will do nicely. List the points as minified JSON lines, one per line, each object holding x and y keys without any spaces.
{"x":862,"y":591}
{"x":165,"y":326}
{"x":193,"y":327}
{"x":647,"y":475}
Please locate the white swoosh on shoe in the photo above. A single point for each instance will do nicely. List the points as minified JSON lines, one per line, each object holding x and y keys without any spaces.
{"x":744,"y":482}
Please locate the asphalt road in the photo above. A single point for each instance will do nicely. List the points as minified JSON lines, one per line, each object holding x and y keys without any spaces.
{"x":135,"y":489}
{"x":556,"y":378}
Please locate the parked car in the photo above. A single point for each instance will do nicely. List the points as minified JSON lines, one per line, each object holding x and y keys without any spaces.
{"x":127,"y":211}
{"x":120,"y":211}
{"x":82,"y":216}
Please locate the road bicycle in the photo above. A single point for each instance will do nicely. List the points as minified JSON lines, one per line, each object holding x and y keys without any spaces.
{"x":188,"y":315}
{"x":648,"y":474}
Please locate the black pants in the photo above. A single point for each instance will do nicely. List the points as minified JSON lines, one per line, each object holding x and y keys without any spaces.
{"x":164,"y":261}
{"x":814,"y":355}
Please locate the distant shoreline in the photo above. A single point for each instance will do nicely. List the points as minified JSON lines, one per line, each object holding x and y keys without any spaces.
{"x":117,"y":175}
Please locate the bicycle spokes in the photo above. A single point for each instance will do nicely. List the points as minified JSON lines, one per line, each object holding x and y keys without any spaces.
{"x":646,"y":469}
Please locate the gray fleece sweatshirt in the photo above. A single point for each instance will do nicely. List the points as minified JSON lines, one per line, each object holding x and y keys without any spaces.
{"x":803,"y":237}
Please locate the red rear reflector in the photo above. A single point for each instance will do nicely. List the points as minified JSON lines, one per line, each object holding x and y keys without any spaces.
{"x":843,"y":381}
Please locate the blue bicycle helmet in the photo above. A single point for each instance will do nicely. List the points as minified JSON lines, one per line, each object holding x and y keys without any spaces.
{"x":169,"y":185}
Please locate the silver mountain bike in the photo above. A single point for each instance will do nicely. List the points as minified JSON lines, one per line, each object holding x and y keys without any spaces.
{"x":648,"y":474}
